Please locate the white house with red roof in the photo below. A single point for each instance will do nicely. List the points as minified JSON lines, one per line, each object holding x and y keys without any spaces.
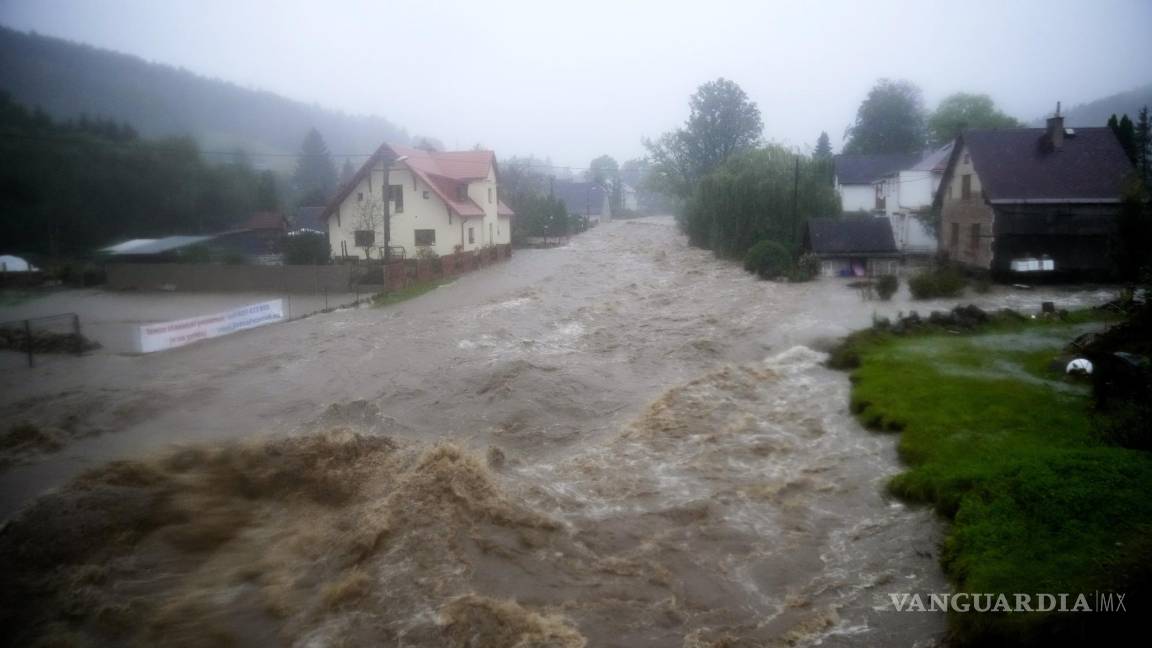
{"x":440,"y":201}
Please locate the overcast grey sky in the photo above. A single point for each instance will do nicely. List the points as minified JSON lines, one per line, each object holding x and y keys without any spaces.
{"x":574,"y":80}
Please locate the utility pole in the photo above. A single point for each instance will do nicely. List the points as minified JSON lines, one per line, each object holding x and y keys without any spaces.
{"x":796,"y":203}
{"x":386,"y":191}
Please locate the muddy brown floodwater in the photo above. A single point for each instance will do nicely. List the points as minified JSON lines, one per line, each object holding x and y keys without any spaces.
{"x":621,"y":442}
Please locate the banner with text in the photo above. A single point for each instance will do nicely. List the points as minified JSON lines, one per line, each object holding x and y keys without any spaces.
{"x":169,"y":335}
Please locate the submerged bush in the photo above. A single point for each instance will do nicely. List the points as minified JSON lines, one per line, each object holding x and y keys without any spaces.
{"x":886,"y":286}
{"x":807,"y":268}
{"x":940,"y":282}
{"x":768,"y":259}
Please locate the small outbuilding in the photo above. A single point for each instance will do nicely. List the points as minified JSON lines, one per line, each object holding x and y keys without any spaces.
{"x":9,"y":263}
{"x":852,"y":246}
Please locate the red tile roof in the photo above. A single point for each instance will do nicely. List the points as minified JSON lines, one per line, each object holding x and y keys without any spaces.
{"x":443,"y":171}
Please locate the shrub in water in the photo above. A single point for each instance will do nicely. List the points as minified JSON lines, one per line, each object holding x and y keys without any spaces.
{"x":807,"y":268}
{"x":768,"y":259}
{"x":886,"y":286}
{"x":941,"y":282}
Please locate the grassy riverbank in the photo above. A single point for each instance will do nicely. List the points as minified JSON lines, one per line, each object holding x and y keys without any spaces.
{"x":1009,"y":451}
{"x":411,"y":291}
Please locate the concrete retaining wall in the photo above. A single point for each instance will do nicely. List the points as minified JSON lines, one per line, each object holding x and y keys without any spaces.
{"x":229,"y":278}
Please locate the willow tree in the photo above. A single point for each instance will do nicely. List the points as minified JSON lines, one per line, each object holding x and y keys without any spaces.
{"x":764,"y":194}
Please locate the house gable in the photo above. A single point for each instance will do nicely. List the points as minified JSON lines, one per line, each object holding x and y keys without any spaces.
{"x":438,"y":192}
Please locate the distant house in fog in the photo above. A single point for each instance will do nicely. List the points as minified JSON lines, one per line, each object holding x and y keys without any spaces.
{"x":852,"y":246}
{"x":906,"y":195}
{"x":585,"y":199}
{"x":855,"y":177}
{"x":1033,"y":198}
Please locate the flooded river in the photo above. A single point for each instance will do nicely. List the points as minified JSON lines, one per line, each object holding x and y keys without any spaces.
{"x":621,"y":442}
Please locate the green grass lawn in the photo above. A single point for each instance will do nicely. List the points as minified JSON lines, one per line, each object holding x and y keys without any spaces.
{"x":410,"y":291}
{"x":1007,"y":449}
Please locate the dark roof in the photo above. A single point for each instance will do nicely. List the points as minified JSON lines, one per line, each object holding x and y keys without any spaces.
{"x":310,"y":217}
{"x":265,"y":220}
{"x":583,"y":198}
{"x":1018,"y":164}
{"x":863,"y":169}
{"x":851,"y":235}
{"x":936,"y":160}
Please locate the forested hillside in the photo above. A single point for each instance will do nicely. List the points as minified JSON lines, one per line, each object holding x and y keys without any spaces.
{"x":69,"y":80}
{"x":67,"y":188}
{"x":1096,"y":113}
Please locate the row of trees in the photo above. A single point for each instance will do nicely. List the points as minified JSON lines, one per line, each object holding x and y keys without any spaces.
{"x":1136,"y":140}
{"x":736,"y":190}
{"x":69,"y":187}
{"x":892,"y":119}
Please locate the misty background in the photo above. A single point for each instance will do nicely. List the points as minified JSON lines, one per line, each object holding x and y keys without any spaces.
{"x":565,"y":82}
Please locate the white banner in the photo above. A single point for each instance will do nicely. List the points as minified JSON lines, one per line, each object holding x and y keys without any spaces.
{"x":169,"y":335}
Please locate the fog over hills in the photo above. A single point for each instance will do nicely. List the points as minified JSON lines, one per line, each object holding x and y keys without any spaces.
{"x":69,"y":80}
{"x":1096,"y":113}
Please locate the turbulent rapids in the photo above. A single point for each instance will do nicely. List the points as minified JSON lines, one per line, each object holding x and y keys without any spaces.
{"x":618,"y":443}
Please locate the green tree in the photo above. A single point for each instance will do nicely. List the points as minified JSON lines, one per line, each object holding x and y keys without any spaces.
{"x":823,"y":159}
{"x":889,"y":120}
{"x":722,"y":121}
{"x":965,"y":110}
{"x":315,"y":170}
{"x":1125,"y":132}
{"x":823,"y":148}
{"x":761,"y":195}
{"x":1144,"y":146}
{"x":604,"y":172}
{"x":267,"y":192}
{"x":306,"y":248}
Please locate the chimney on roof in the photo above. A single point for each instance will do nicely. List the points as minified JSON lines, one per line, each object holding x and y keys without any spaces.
{"x":1055,"y":132}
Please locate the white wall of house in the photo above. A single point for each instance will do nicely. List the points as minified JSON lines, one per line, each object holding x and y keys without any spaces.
{"x":628,"y":197}
{"x":423,"y":209}
{"x":907,"y":193}
{"x":492,"y":229}
{"x":856,"y":197}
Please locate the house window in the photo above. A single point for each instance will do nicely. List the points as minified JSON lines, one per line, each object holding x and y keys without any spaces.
{"x":461,"y":192}
{"x":880,"y":201}
{"x":954,"y":237}
{"x":974,"y":237}
{"x":360,"y":196}
{"x":364,"y":238}
{"x":425,"y":237}
{"x":471,"y":235}
{"x":489,"y":195}
{"x":396,"y":194}
{"x":966,"y":158}
{"x":966,"y":186}
{"x":949,"y":191}
{"x":425,"y":195}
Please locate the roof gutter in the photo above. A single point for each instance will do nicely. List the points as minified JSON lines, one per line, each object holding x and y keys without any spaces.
{"x":1054,"y":201}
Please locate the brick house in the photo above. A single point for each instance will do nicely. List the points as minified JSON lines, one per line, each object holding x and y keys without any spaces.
{"x":1049,"y":193}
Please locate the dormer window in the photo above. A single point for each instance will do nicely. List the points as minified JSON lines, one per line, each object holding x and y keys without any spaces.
{"x":461,"y":192}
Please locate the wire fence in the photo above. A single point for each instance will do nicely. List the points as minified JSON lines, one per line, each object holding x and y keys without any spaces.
{"x":45,"y":336}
